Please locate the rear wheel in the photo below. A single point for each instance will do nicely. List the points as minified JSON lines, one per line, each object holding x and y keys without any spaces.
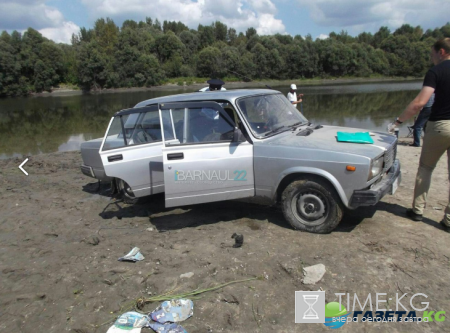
{"x":126,"y":192}
{"x":311,"y":206}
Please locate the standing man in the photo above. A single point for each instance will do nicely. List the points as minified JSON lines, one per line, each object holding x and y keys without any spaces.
{"x":292,"y":95}
{"x":437,"y":135}
{"x":420,"y":122}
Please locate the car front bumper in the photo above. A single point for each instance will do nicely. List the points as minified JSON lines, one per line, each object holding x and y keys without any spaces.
{"x":387,"y":185}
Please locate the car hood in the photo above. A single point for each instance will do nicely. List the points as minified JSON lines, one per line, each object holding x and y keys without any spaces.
{"x":325,"y":138}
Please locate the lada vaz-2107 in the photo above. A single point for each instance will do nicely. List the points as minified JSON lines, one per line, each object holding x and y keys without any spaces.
{"x":222,"y":145}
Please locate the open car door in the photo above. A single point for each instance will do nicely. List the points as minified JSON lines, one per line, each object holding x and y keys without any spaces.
{"x":131,"y":151}
{"x":203,"y":159}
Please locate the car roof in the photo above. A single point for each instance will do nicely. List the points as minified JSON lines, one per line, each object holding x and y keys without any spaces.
{"x":229,"y":95}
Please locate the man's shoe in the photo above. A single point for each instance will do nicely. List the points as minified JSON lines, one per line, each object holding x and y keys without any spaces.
{"x":413,"y":145}
{"x":446,"y":227}
{"x":413,"y":216}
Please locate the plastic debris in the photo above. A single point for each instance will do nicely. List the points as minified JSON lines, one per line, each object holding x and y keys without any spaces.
{"x":187,"y":275}
{"x":173,"y":311}
{"x":130,"y":322}
{"x":114,"y":329}
{"x":134,"y":255}
{"x":167,"y":328}
{"x":313,"y":274}
{"x":238,"y":240}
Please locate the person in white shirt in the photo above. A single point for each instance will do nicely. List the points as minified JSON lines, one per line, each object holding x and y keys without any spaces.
{"x":292,"y":95}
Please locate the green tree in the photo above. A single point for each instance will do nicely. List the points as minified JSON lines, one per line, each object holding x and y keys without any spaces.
{"x":168,"y":46}
{"x":92,"y":66}
{"x":43,"y":77}
{"x":191,"y":43}
{"x":11,"y":82}
{"x":261,"y":58}
{"x":210,"y":63}
{"x":231,"y":35}
{"x":379,"y":36}
{"x":106,"y":33}
{"x":250,"y":33}
{"x":207,"y":36}
{"x":221,"y":31}
{"x":366,"y":38}
{"x":129,"y":24}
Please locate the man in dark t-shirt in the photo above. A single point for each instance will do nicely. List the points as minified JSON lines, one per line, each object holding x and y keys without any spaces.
{"x":437,"y":134}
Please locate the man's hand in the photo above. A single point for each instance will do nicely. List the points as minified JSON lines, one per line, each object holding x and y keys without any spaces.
{"x":299,"y":97}
{"x":391,"y":128}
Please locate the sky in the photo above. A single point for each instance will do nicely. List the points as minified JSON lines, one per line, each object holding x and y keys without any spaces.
{"x":58,"y":19}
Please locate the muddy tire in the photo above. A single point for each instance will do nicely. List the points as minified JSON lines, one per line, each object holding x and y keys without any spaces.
{"x":311,"y":206}
{"x":125,"y":192}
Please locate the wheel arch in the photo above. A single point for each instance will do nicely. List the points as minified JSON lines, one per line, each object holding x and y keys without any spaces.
{"x":312,"y":174}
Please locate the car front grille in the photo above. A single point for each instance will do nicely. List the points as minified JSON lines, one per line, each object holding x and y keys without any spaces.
{"x":389,"y":156}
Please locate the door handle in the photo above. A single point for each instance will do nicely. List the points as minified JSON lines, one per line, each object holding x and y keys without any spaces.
{"x":114,"y":158}
{"x":175,"y":156}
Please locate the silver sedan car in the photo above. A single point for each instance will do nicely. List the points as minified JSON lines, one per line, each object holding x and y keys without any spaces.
{"x":222,"y":145}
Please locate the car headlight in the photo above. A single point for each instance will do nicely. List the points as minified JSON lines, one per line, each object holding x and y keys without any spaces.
{"x":375,"y":167}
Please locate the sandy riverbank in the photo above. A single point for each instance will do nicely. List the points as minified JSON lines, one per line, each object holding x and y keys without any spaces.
{"x":61,"y":237}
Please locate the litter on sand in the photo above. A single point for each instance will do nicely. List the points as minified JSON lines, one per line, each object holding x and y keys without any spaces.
{"x":167,"y":328}
{"x":130,"y":322}
{"x":165,"y":316}
{"x":173,"y":311}
{"x":134,"y":255}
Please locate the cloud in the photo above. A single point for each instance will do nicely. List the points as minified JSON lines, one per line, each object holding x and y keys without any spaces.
{"x":369,"y":15}
{"x":23,"y":14}
{"x":322,"y":36}
{"x":49,"y":21}
{"x":61,"y":34}
{"x":239,"y":14}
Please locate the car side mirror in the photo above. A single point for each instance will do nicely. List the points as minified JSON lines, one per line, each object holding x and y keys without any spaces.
{"x":238,"y":136}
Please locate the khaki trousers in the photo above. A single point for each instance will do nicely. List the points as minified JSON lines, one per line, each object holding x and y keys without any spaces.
{"x":435,"y":143}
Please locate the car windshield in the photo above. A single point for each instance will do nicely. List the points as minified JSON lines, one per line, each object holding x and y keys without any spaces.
{"x":270,"y":114}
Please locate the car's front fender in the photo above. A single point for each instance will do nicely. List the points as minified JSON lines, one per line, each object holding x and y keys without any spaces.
{"x":311,"y":171}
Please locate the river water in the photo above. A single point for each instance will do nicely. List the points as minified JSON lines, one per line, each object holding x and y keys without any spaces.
{"x":38,"y":125}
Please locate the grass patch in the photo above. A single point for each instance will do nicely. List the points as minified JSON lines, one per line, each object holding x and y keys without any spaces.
{"x":139,"y":303}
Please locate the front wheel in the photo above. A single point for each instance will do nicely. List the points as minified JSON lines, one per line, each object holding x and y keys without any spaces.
{"x":311,"y":206}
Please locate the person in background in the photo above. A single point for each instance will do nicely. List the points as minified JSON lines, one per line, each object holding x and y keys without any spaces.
{"x":437,"y":135}
{"x":421,"y":121}
{"x":292,"y":95}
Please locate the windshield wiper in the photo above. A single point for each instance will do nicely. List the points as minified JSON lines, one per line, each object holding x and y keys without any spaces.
{"x":297,"y":124}
{"x":274,"y":130}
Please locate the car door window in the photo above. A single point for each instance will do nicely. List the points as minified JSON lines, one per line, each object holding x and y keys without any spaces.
{"x":198,"y":125}
{"x":140,"y":128}
{"x":115,"y":136}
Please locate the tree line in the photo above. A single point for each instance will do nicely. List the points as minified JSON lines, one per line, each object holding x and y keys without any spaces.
{"x":148,"y":53}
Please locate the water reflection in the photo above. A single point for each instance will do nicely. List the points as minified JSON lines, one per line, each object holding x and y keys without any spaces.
{"x":37,"y":125}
